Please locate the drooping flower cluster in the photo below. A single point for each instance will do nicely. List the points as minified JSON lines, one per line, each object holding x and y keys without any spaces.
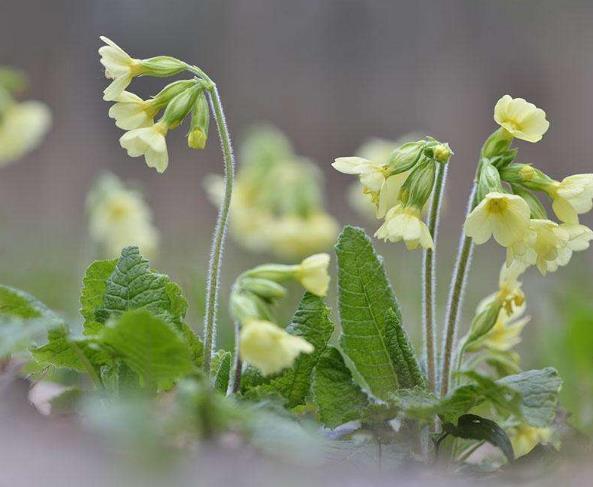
{"x":22,"y":124}
{"x":262,"y":343}
{"x":146,"y":136}
{"x":277,"y":205}
{"x":399,"y":185}
{"x":507,"y":207}
{"x":119,"y":217}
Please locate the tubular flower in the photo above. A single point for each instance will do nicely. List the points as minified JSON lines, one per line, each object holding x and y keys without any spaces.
{"x":521,"y":119}
{"x":525,"y":438}
{"x":509,"y":287}
{"x":149,"y":142}
{"x":504,"y":216}
{"x":506,"y":333}
{"x":119,"y":67}
{"x":382,"y":189}
{"x":22,"y":127}
{"x":405,"y":223}
{"x":312,"y":274}
{"x":572,"y":196}
{"x":132,"y":112}
{"x":268,"y":347}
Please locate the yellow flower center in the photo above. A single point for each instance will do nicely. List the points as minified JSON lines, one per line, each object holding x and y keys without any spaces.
{"x":497,"y":205}
{"x":118,"y":211}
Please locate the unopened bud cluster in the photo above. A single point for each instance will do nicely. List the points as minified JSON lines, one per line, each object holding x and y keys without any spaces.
{"x":146,"y":130}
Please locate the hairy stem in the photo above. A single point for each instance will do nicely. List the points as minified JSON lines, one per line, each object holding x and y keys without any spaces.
{"x":219,"y":231}
{"x":235,"y":378}
{"x":428,"y":288}
{"x":458,"y":281}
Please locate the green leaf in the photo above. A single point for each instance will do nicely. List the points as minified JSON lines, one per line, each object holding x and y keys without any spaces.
{"x":539,"y":391}
{"x":133,"y":285}
{"x":150,"y":346}
{"x":22,"y":317}
{"x":94,"y":285}
{"x":371,"y":324}
{"x":196,"y":346}
{"x":472,"y":427}
{"x":337,"y":397}
{"x":221,"y":369}
{"x":312,"y":321}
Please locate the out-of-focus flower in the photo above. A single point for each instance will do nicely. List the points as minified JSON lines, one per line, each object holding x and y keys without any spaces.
{"x":22,"y":128}
{"x":268,"y":347}
{"x":506,"y":332}
{"x":504,"y":216}
{"x":405,"y":224}
{"x":572,"y":196}
{"x":520,"y":118}
{"x":313,"y":275}
{"x":119,"y":217}
{"x":149,"y":142}
{"x":525,"y":438}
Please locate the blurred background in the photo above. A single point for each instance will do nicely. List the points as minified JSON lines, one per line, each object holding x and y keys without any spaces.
{"x":330,"y":74}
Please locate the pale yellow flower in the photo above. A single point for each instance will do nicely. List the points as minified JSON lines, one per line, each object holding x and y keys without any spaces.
{"x":22,"y":127}
{"x":405,"y":223}
{"x":521,"y":119}
{"x":312,"y":274}
{"x":509,"y":291}
{"x":525,"y":438}
{"x":268,"y":347}
{"x":119,"y":67}
{"x":504,"y":216}
{"x":149,"y":142}
{"x":132,"y":112}
{"x":542,"y":247}
{"x":572,"y":196}
{"x":506,"y":333}
{"x":119,"y":217}
{"x":293,"y":236}
{"x":579,"y":238}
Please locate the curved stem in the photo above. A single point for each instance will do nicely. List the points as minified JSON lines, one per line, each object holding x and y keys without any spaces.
{"x":459,"y":279}
{"x":429,"y":271}
{"x":235,"y":378}
{"x":219,"y":231}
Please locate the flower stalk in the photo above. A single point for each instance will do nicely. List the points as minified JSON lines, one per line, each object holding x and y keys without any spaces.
{"x":429,"y":278}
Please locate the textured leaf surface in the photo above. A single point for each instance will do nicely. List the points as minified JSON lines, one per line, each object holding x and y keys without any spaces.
{"x":312,"y":321}
{"x":94,"y":284}
{"x":133,"y":285}
{"x":221,"y":369}
{"x":337,"y":397}
{"x":472,"y":427}
{"x":365,"y":298}
{"x":150,"y":346}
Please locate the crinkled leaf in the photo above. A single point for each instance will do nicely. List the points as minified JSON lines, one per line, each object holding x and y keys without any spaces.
{"x":365,"y":299}
{"x":221,"y":369}
{"x":94,"y":284}
{"x":539,"y":391}
{"x":133,"y":285}
{"x":312,"y":321}
{"x":196,"y":346}
{"x":337,"y":397}
{"x":150,"y":346}
{"x":473,"y":427}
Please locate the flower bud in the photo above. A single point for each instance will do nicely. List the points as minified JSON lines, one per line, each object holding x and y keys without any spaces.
{"x":405,"y":157}
{"x":200,"y":119}
{"x":418,"y":186}
{"x":439,"y":152}
{"x":245,"y":305}
{"x":263,"y":287}
{"x":488,"y":181}
{"x":179,"y":107}
{"x":526,"y":175}
{"x":161,"y":66}
{"x":498,"y":142}
{"x":163,"y":97}
{"x":482,"y":323}
{"x":273,"y":272}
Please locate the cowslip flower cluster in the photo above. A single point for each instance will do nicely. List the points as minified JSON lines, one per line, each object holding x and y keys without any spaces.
{"x":507,"y":207}
{"x":262,"y":343}
{"x":145,"y":134}
{"x":119,"y":217}
{"x":399,"y":187}
{"x":277,"y":205}
{"x":23,"y":125}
